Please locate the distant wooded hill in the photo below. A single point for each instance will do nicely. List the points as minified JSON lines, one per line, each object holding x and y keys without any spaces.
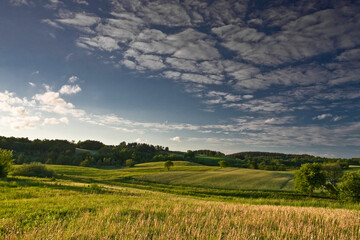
{"x":96,"y":154}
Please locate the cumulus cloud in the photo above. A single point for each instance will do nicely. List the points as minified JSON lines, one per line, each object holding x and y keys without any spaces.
{"x":51,"y":101}
{"x":73,"y":79}
{"x":69,"y":89}
{"x":175,"y":139}
{"x":32,"y":84}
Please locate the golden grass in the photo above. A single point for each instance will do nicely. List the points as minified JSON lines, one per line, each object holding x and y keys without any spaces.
{"x":163,"y":216}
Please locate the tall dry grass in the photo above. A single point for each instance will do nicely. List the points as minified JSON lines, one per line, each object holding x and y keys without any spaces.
{"x":167,"y":217}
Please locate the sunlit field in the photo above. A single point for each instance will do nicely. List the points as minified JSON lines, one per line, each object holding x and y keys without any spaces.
{"x":90,"y":203}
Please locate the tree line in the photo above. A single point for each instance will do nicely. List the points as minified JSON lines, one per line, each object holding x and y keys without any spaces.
{"x":281,"y":161}
{"x":328,"y":177}
{"x":83,"y":153}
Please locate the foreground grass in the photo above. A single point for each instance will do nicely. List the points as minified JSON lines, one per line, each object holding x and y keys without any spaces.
{"x":31,"y":208}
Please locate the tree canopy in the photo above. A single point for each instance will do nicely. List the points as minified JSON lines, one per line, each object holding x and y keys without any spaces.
{"x":350,"y":186}
{"x":168,"y":164}
{"x":309,"y":177}
{"x":6,"y":162}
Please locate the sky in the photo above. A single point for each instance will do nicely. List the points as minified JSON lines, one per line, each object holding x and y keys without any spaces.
{"x":230,"y":76}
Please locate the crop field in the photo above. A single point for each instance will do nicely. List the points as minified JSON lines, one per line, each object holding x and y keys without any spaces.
{"x":227,"y":178}
{"x":90,"y":203}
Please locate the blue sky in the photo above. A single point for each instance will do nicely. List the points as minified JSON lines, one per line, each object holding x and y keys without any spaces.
{"x":224,"y":75}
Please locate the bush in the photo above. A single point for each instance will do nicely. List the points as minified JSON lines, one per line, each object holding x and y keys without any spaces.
{"x":33,"y":170}
{"x":85,"y":163}
{"x":223,"y":164}
{"x":6,"y":162}
{"x":129,"y":163}
{"x":350,"y":186}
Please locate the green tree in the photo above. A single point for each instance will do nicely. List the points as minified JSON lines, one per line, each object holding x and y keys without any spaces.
{"x":85,"y":163}
{"x":168,"y":164}
{"x":130,"y":163}
{"x":223,"y":164}
{"x":350,"y":186}
{"x":20,"y":158}
{"x":189,"y":155}
{"x":309,"y":177}
{"x":6,"y":162}
{"x":333,"y":172}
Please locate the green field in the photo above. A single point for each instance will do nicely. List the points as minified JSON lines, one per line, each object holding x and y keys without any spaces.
{"x":226,"y":178}
{"x":149,"y":202}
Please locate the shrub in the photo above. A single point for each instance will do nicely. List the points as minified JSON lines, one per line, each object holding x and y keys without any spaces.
{"x":6,"y":162}
{"x":85,"y":163}
{"x":223,"y":164}
{"x":130,"y":163}
{"x":33,"y":170}
{"x":350,"y":186}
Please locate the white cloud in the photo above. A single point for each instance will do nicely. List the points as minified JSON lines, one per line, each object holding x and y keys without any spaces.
{"x":19,"y":2}
{"x":175,"y":139}
{"x":80,"y":20}
{"x":55,"y":121}
{"x":69,"y":89}
{"x":52,"y":102}
{"x":259,"y":105}
{"x":35,"y":72}
{"x":100,"y":42}
{"x":306,"y":36}
{"x":201,"y":50}
{"x":151,"y":62}
{"x":337,"y":118}
{"x":18,"y":123}
{"x":349,"y":55}
{"x":322,"y":116}
{"x":169,"y":13}
{"x":52,"y":23}
{"x":73,"y":79}
{"x":32,"y":84}
{"x":197,"y":78}
{"x":140,"y":140}
{"x":124,"y":27}
{"x":81,"y":2}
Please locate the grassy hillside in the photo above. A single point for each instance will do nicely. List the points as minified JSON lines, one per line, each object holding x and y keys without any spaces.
{"x":116,"y":207}
{"x":184,"y":173}
{"x":228,"y":178}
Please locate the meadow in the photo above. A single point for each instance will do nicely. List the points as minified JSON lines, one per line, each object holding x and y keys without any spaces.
{"x":91,"y":203}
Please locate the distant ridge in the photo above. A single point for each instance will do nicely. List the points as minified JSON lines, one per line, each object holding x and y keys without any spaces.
{"x":243,"y":155}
